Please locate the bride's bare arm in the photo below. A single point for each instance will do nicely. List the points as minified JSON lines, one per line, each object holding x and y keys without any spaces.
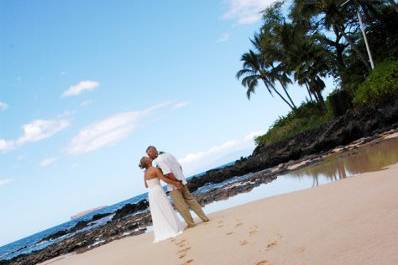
{"x":146,"y":184}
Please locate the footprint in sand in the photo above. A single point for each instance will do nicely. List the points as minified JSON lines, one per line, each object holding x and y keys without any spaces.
{"x":181,"y":243}
{"x":253,"y":230}
{"x":187,"y":262}
{"x":271,"y":245}
{"x":252,"y":233}
{"x":238,"y":224}
{"x":300,"y":249}
{"x":183,"y":251}
{"x":243,"y":242}
{"x":263,"y":262}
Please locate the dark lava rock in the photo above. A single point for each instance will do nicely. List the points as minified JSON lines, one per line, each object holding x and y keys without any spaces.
{"x":55,"y":235}
{"x":99,"y":216}
{"x":130,"y":209}
{"x":80,"y":225}
{"x":83,"y":241}
{"x":354,"y":124}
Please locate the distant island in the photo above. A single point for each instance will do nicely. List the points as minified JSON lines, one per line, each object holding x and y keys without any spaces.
{"x":83,"y":213}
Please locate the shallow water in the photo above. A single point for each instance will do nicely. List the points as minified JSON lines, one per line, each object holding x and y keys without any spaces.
{"x":367,"y":158}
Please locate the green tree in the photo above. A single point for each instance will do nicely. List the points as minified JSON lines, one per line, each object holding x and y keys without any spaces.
{"x":254,"y":70}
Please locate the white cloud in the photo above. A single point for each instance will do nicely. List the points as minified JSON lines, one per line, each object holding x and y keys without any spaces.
{"x":246,"y":11}
{"x":224,"y":37}
{"x":41,"y":129}
{"x":198,"y":160}
{"x":35,"y":131}
{"x":82,"y":86}
{"x":111,"y":129}
{"x":3,"y":106}
{"x":181,"y":104}
{"x":48,"y":161}
{"x":5,"y":181}
{"x":103,"y":133}
{"x":213,"y":151}
{"x":6,"y":145}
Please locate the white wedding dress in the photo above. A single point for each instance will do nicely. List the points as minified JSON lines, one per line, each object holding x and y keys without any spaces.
{"x":165,"y":221}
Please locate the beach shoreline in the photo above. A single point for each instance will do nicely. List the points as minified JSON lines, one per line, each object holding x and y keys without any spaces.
{"x":128,"y":225}
{"x":352,"y":221}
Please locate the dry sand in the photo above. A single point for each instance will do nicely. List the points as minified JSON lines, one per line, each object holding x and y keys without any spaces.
{"x":352,"y":221}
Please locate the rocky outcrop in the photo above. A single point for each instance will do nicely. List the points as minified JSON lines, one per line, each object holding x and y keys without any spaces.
{"x":131,"y":209}
{"x":116,"y":229}
{"x":344,"y":129}
{"x":78,"y":226}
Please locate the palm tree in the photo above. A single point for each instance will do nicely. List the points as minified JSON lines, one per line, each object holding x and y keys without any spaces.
{"x":270,"y":52}
{"x":255,"y":70}
{"x":304,"y":58}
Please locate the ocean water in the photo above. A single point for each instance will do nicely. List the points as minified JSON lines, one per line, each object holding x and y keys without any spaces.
{"x":32,"y":243}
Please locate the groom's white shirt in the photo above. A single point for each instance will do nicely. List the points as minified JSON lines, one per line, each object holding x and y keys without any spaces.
{"x":169,"y":164}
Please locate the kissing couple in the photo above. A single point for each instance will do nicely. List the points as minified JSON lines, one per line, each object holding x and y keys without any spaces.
{"x":165,"y":167}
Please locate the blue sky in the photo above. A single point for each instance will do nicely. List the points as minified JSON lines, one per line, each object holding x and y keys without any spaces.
{"x":85,"y":86}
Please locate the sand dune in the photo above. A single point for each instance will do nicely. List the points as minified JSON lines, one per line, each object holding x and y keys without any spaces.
{"x":352,"y":221}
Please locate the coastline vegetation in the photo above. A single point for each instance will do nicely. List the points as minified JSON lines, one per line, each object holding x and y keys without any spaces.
{"x":304,"y":42}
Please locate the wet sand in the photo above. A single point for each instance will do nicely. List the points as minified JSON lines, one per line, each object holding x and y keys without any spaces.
{"x":352,"y":221}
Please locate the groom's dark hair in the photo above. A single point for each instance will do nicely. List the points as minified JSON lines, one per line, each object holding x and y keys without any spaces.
{"x":149,"y":147}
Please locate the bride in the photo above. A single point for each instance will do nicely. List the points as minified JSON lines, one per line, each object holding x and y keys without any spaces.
{"x":165,"y":221}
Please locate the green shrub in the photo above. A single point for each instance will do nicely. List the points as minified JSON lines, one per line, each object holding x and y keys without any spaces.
{"x":308,"y":116}
{"x":381,"y":84}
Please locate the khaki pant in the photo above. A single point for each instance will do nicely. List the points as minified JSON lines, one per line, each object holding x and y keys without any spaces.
{"x":183,"y":201}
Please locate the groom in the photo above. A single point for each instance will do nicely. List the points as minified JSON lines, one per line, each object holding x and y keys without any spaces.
{"x":182,"y":198}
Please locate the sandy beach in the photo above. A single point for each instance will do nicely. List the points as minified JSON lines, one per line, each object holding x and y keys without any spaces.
{"x":352,"y":221}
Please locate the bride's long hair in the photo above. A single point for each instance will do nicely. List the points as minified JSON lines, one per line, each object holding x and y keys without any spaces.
{"x":143,"y":162}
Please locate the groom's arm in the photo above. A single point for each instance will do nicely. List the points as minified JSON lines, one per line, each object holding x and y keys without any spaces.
{"x":176,"y":183}
{"x":171,"y":177}
{"x":166,"y":171}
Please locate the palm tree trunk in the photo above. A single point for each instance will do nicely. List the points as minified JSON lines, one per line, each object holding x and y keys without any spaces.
{"x":318,"y":100}
{"x":309,"y":92}
{"x":288,"y":96}
{"x":320,"y":97}
{"x":280,"y":95}
{"x":339,"y":49}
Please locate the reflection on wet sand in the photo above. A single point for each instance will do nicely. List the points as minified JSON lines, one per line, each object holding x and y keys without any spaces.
{"x":371,"y":157}
{"x":365,"y":158}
